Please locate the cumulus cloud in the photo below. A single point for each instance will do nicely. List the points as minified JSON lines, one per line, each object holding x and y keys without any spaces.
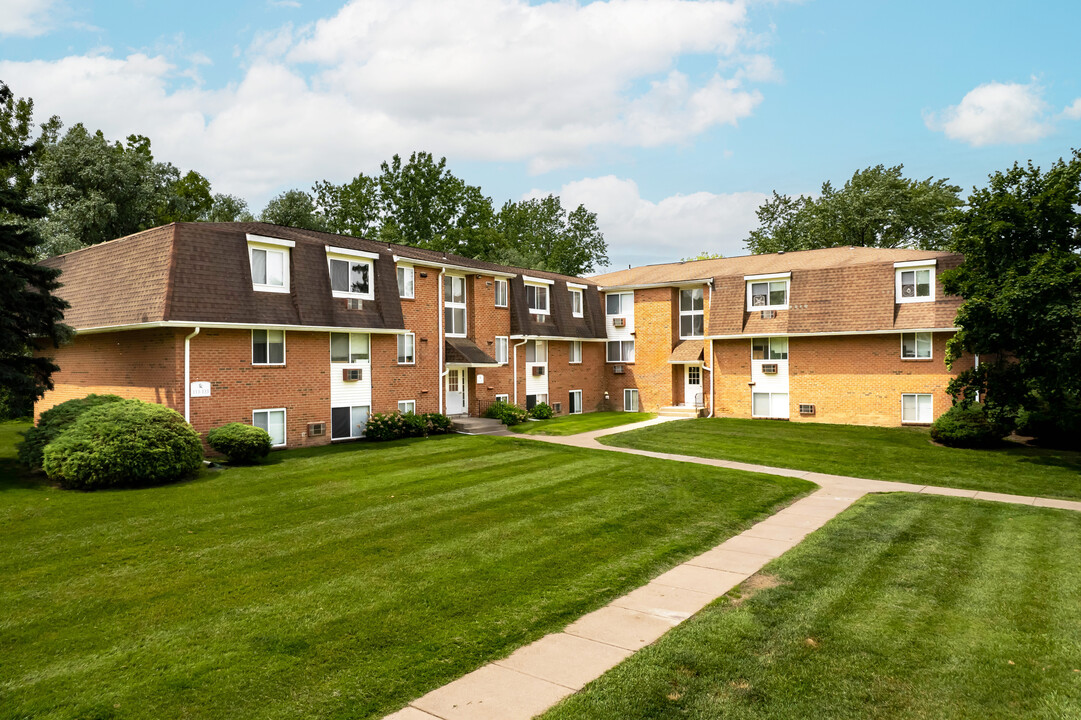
{"x":27,"y":18}
{"x":640,"y":231}
{"x":995,"y":114}
{"x":546,"y":84}
{"x":1073,"y":112}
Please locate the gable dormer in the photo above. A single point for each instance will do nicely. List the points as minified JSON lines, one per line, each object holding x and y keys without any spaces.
{"x":268,"y":261}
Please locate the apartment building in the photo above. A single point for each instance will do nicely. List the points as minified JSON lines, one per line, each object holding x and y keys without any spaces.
{"x":307,"y":333}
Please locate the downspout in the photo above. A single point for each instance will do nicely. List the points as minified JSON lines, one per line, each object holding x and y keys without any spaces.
{"x":518,"y":345}
{"x":187,"y":375}
{"x":442,"y":370}
{"x":709,"y":368}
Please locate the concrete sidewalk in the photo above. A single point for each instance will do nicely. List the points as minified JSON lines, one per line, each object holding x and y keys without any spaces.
{"x":537,"y":676}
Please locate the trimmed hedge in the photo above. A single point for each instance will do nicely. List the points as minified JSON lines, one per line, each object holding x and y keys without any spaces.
{"x":124,"y":444}
{"x":541,"y":411}
{"x":967,"y":427}
{"x":242,"y":444}
{"x":395,"y":426}
{"x":506,"y":413}
{"x":53,"y":422}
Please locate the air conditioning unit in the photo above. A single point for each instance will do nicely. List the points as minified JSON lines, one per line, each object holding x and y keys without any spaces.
{"x":769,"y":368}
{"x":354,"y":304}
{"x":352,"y":374}
{"x":617,"y":369}
{"x":538,"y":370}
{"x":619,"y":322}
{"x":557,"y":408}
{"x":806,"y":409}
{"x":317,"y":429}
{"x":769,"y":314}
{"x":539,"y":317}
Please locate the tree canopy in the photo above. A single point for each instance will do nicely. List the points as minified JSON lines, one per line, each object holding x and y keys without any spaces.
{"x":877,"y":207}
{"x":1021,"y":285}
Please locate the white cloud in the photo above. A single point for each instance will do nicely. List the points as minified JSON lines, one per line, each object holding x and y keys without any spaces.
{"x":995,"y":114}
{"x":1073,"y":112}
{"x":475,"y":80}
{"x":26,"y":18}
{"x":641,"y":231}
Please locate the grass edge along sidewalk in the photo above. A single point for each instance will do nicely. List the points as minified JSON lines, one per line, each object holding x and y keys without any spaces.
{"x":899,"y":454}
{"x":564,"y":425}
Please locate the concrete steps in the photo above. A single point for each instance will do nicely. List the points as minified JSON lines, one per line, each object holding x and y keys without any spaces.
{"x":479,"y":426}
{"x":679,"y":411}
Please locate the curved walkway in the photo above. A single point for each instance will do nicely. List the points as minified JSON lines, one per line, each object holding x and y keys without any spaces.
{"x":539,"y":675}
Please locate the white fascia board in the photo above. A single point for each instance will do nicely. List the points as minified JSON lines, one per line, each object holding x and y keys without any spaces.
{"x":556,"y":339}
{"x":768,"y":276}
{"x":235,"y":326}
{"x":648,"y":286}
{"x":474,"y":365}
{"x":264,"y":240}
{"x":331,"y":250}
{"x":577,"y":286}
{"x":537,"y":280}
{"x":895,"y":331}
{"x":451,"y":266}
{"x":917,"y":263}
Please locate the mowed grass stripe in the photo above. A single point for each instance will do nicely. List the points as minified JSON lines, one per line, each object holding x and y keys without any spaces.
{"x":338,"y":582}
{"x":904,"y":606}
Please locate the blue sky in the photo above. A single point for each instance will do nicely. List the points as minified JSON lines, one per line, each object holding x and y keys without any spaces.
{"x":672,"y":120}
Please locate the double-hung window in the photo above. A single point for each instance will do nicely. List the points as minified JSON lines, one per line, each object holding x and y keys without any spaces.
{"x":691,"y":313}
{"x":915,"y":281}
{"x":536,"y":299}
{"x":501,"y":349}
{"x":575,"y":354}
{"x":273,"y":421}
{"x":536,"y":351}
{"x":767,"y":292}
{"x":774,"y":348}
{"x":917,"y":408}
{"x":406,"y":349}
{"x":349,"y":347}
{"x":621,"y":351}
{"x":630,"y":400}
{"x":405,"y":281}
{"x":618,"y":303}
{"x":500,"y":293}
{"x":269,"y":261}
{"x":351,"y":273}
{"x":454,"y":305}
{"x":916,"y":346}
{"x":267,"y":347}
{"x":576,"y":302}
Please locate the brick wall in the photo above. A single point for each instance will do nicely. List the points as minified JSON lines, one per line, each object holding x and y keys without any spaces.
{"x":486,"y":321}
{"x":139,"y":364}
{"x":588,"y":376}
{"x":392,"y":382}
{"x":654,"y":330}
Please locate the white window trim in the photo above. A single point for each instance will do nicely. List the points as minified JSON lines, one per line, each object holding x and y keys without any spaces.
{"x":620,"y":362}
{"x":756,"y":279}
{"x":354,"y":259}
{"x":349,"y":252}
{"x":912,"y":268}
{"x":638,"y":396}
{"x":457,"y":306}
{"x":276,"y":247}
{"x":933,"y":262}
{"x":581,"y":406}
{"x":397,"y":355}
{"x":573,"y":343}
{"x":690,"y":313}
{"x":502,"y":397}
{"x":285,"y":422}
{"x":769,"y":348}
{"x":270,"y":364}
{"x":412,"y":282}
{"x":506,"y":293}
{"x":581,"y":303}
{"x":266,"y":240}
{"x":403,"y":402}
{"x":506,"y":348}
{"x":917,"y":421}
{"x":537,"y":281}
{"x":916,"y":342}
{"x":352,"y":427}
{"x":547,"y":299}
{"x":771,"y":394}
{"x":622,"y":311}
{"x":330,"y":339}
{"x":768,"y":276}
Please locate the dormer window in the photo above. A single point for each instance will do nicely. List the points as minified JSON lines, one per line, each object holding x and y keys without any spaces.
{"x":351,"y":273}
{"x":536,"y":295}
{"x":768,"y":292}
{"x":269,"y":261}
{"x":577,"y":303}
{"x":915,"y":281}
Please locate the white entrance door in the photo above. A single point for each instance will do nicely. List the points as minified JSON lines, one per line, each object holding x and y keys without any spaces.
{"x":692,"y":386}
{"x":456,"y":391}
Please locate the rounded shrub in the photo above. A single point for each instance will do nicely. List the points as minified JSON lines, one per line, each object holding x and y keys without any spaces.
{"x":124,"y":444}
{"x":967,"y":427}
{"x":436,"y":423}
{"x":53,"y":422}
{"x":506,"y":413}
{"x":242,"y":444}
{"x":541,"y":411}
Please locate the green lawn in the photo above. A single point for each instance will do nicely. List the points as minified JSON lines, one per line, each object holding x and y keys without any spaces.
{"x":332,"y":583}
{"x":904,"y":607}
{"x":574,"y":424}
{"x":901,"y":454}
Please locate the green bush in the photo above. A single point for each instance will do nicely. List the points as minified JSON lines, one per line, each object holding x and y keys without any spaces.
{"x":124,"y":444}
{"x":394,"y":426}
{"x":967,"y":427}
{"x":541,"y":411}
{"x":437,"y":423}
{"x":14,"y":406}
{"x":55,"y":421}
{"x":506,"y":413}
{"x":242,"y":444}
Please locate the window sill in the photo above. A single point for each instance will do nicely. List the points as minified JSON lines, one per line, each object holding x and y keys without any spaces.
{"x":916,"y":424}
{"x":270,"y":289}
{"x":907,"y":301}
{"x":352,"y":296}
{"x":407,"y":297}
{"x":916,"y":359}
{"x":407,"y":364}
{"x":255,"y":364}
{"x":757,"y":308}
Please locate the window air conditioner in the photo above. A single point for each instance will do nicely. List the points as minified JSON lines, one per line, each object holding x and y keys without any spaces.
{"x":769,"y":314}
{"x":557,"y":408}
{"x":317,"y":429}
{"x":806,"y":409}
{"x":352,"y":374}
{"x":354,"y":304}
{"x":617,"y":369}
{"x":619,"y":322}
{"x":769,"y":368}
{"x":538,"y":369}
